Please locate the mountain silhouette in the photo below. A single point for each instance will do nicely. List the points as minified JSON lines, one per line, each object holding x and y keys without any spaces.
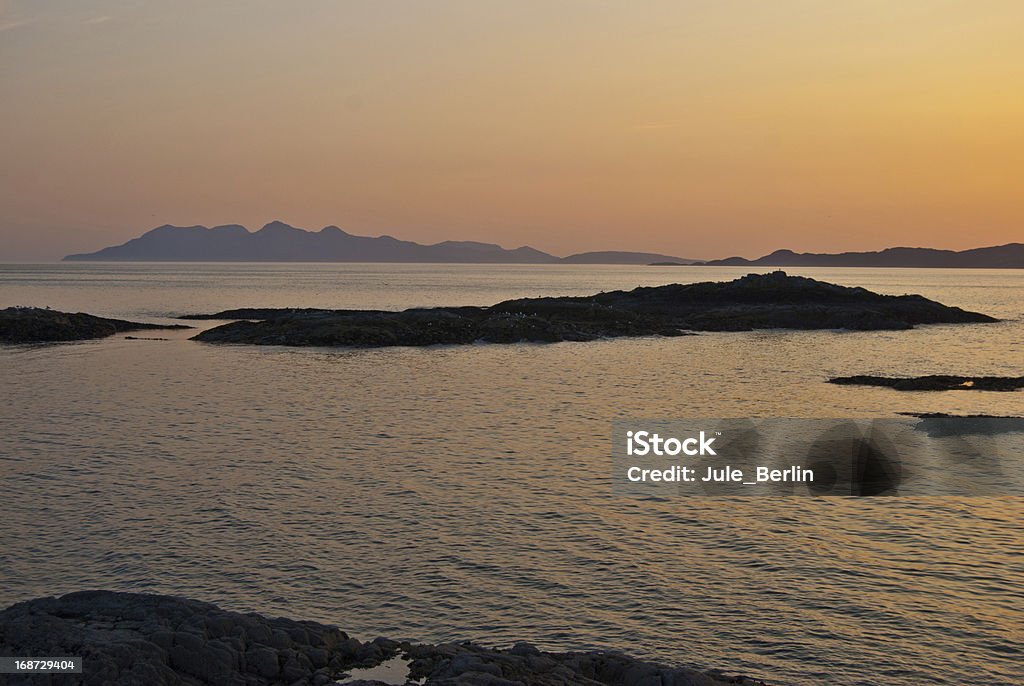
{"x":1010,"y":255}
{"x":279,"y":242}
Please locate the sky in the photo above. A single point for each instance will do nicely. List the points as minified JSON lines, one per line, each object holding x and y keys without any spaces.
{"x":688,"y":127}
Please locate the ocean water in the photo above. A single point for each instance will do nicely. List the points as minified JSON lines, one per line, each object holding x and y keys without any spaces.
{"x":456,"y":493}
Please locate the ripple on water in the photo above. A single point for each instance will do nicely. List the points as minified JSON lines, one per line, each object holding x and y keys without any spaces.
{"x":447,"y":494}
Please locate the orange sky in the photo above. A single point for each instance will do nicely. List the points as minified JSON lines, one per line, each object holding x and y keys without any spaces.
{"x":695,"y":128}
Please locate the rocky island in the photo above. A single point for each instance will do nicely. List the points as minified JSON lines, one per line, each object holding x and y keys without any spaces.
{"x":130,"y":639}
{"x":40,"y":325}
{"x":755,"y":301}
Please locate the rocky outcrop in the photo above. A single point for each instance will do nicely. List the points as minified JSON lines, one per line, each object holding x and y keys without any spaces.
{"x":947,"y":415}
{"x":38,"y":325}
{"x":129,"y":639}
{"x":756,"y":301}
{"x":935,"y":382}
{"x":779,"y":301}
{"x":465,"y":664}
{"x":451,"y":326}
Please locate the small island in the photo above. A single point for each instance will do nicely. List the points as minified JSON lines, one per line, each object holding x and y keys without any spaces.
{"x":934,"y":382}
{"x":755,"y":301}
{"x":41,"y":325}
{"x":129,"y":639}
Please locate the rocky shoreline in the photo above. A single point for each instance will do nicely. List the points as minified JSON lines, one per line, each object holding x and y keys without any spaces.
{"x":755,"y":301}
{"x":40,"y":325}
{"x":130,"y":639}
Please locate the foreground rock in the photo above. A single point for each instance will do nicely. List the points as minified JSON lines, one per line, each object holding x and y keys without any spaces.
{"x":128,"y":639}
{"x":756,"y":301}
{"x":38,"y":325}
{"x":935,"y":382}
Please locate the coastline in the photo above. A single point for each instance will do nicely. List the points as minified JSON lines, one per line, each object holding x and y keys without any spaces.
{"x":131,"y":639}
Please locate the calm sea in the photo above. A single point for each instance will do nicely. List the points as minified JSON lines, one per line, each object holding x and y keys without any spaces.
{"x":464,"y":492}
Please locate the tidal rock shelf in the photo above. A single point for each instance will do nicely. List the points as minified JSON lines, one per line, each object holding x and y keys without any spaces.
{"x":129,"y":639}
{"x":935,"y":382}
{"x":39,"y":325}
{"x":755,"y":301}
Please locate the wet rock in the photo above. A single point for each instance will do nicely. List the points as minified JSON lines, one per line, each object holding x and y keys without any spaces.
{"x":171,"y":641}
{"x":523,"y":648}
{"x":467,"y":664}
{"x":39,"y":325}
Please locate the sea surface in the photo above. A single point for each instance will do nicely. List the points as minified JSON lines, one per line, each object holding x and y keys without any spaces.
{"x":452,"y":493}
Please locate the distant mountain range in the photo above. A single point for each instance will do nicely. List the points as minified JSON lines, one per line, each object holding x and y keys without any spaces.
{"x":279,"y":242}
{"x":1010,"y":255}
{"x":620,"y":257}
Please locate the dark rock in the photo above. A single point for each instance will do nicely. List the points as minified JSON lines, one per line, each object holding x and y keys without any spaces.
{"x":947,"y":415}
{"x":262,"y":660}
{"x":935,"y":382}
{"x":524,"y":648}
{"x":466,"y":664}
{"x":317,"y":657}
{"x":756,"y":301}
{"x":280,"y":639}
{"x":38,"y":325}
{"x":777,"y":300}
{"x":173,"y":641}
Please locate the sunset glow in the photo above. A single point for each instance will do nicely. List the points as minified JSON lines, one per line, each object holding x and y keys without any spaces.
{"x":699,"y":129}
